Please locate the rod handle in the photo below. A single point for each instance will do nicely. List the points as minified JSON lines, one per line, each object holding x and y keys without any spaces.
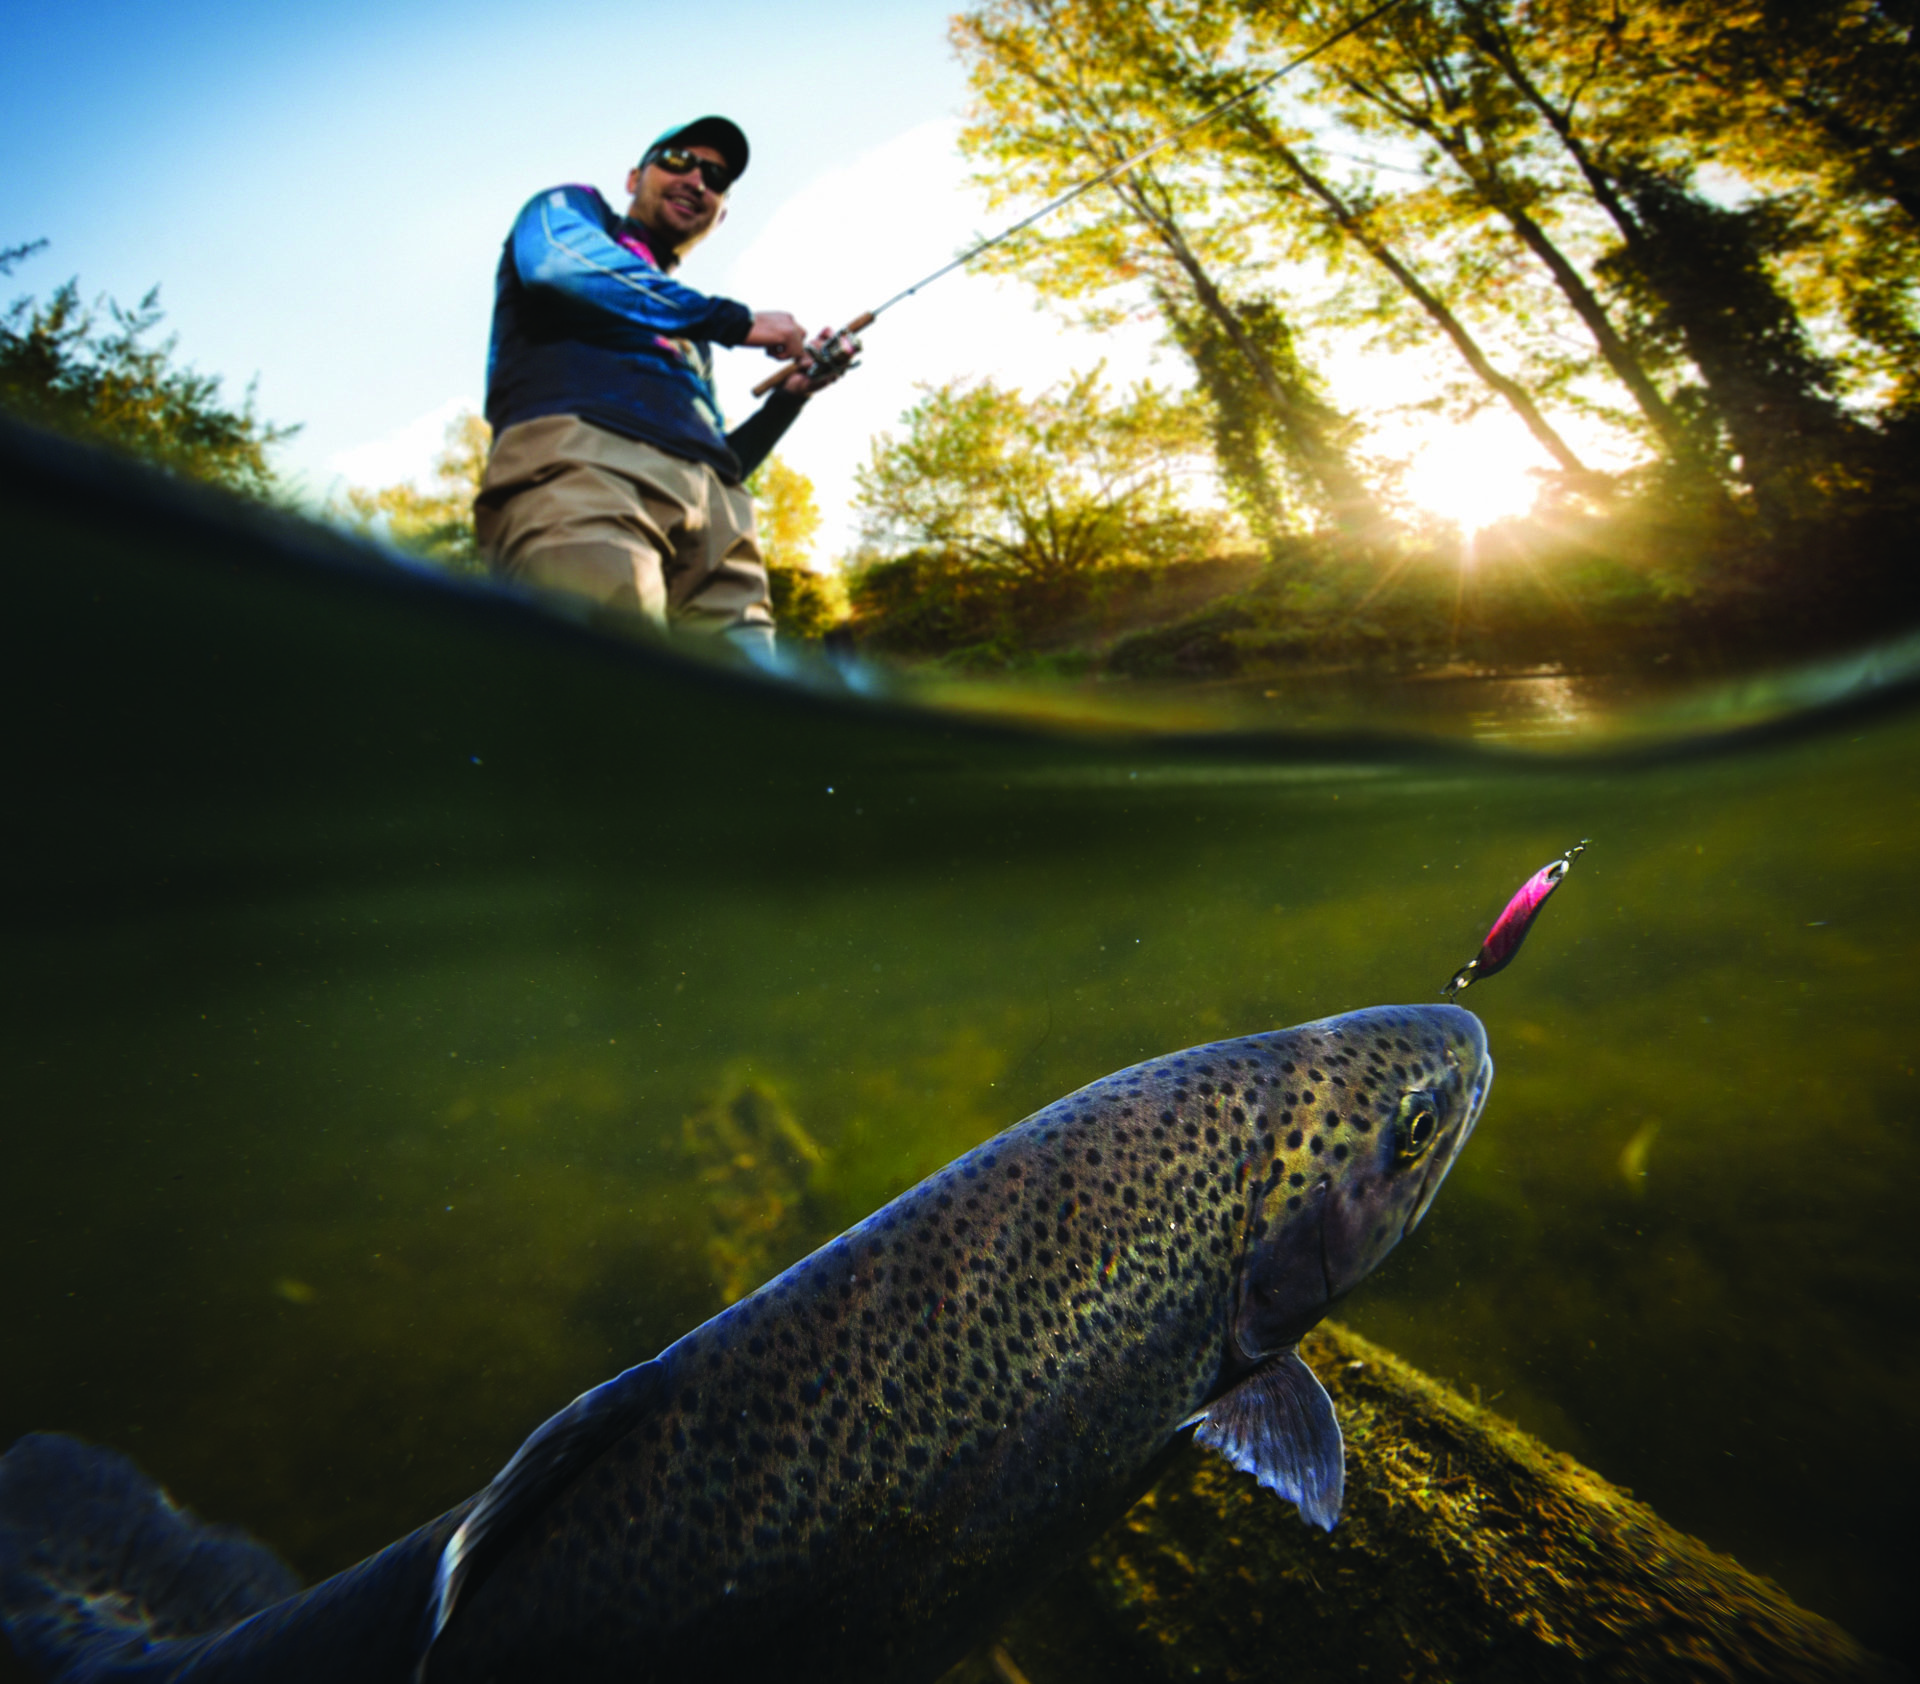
{"x":859,"y":324}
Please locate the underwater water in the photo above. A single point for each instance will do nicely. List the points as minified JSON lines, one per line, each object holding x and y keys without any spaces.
{"x":416,"y":1013}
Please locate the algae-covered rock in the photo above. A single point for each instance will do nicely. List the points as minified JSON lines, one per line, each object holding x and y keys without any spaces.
{"x":1467,"y":1551}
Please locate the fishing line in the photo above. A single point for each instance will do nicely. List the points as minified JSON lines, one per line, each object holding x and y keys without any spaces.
{"x":865,"y":320}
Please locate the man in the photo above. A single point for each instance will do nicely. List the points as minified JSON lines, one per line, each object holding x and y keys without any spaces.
{"x":611,"y":475}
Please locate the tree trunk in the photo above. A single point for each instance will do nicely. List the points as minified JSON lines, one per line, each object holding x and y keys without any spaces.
{"x":1348,"y":500}
{"x":1516,"y":396}
{"x":1717,"y":299}
{"x":1500,"y":195}
{"x":1492,"y":42}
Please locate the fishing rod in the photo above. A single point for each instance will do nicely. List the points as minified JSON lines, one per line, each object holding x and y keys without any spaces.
{"x":867,"y":318}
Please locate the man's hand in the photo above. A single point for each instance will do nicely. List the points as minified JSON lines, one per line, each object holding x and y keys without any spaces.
{"x":782,"y":336}
{"x":829,"y":356}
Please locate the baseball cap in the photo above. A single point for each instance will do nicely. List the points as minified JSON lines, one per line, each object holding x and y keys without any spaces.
{"x":723,"y":136}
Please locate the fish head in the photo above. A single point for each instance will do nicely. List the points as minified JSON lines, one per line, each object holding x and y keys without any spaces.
{"x":1374,"y":1108}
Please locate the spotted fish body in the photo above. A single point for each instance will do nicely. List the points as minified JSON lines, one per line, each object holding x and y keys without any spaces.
{"x":867,"y":1460}
{"x":855,"y":1472}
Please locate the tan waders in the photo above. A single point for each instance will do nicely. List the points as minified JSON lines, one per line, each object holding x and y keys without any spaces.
{"x":568,"y":506}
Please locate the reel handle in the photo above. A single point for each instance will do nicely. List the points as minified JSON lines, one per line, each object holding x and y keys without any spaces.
{"x":859,"y":324}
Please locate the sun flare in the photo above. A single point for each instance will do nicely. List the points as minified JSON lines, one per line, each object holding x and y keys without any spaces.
{"x":1472,"y":476}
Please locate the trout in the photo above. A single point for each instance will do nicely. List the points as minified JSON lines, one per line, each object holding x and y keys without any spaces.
{"x":856,"y":1472}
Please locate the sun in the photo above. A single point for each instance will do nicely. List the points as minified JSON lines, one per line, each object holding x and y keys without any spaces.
{"x":1473,"y":475}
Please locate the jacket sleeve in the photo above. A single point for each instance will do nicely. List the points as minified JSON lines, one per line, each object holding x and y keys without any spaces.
{"x":559,"y":246}
{"x":753,"y":440}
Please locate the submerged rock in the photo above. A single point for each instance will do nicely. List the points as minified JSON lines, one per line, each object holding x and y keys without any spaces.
{"x":1467,"y":1551}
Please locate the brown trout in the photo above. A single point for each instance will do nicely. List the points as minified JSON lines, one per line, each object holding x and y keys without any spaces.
{"x":856,"y":1472}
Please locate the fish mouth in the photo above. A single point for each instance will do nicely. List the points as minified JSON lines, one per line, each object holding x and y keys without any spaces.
{"x":1476,"y":1098}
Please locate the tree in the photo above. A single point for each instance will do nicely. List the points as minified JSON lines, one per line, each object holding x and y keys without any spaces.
{"x":1697,"y":273}
{"x":1260,"y":159}
{"x":1694,"y":274}
{"x":994,"y":522}
{"x":1819,"y":101}
{"x":1415,"y":72}
{"x":436,"y":523}
{"x":61,"y":367}
{"x":1174,"y":55}
{"x":1041,"y":490}
{"x":1582,"y":130}
{"x":786,"y":512}
{"x":1717,"y":196}
{"x":1056,"y":102}
{"x":787,"y":516}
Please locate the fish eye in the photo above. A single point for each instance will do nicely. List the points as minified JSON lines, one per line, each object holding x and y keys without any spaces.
{"x":1419,"y":1121}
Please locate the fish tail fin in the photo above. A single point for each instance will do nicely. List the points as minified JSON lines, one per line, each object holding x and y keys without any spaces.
{"x":101,"y":1571}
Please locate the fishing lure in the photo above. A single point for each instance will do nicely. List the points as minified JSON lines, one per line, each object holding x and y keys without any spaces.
{"x":1510,"y":928}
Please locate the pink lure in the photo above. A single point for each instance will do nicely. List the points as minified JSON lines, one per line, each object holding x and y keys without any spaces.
{"x":1510,"y":928}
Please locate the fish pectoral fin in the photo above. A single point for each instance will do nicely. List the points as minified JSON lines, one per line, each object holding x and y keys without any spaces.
{"x":557,"y":1451}
{"x":1278,"y":1425}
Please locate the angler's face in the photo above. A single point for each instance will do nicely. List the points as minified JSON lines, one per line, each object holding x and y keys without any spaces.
{"x":681,"y":209}
{"x":1381,"y":1103}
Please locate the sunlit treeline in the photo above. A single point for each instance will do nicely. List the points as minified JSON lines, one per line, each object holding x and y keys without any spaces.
{"x":1682,"y":233}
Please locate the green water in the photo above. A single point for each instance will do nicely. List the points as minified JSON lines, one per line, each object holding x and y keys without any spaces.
{"x":369,"y":953}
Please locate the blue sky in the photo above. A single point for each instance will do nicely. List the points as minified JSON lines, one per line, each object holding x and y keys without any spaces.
{"x":321,"y":193}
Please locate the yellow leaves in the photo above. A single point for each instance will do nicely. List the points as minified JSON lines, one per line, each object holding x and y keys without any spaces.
{"x":1068,"y":480}
{"x":786,"y":512}
{"x":437,"y":522}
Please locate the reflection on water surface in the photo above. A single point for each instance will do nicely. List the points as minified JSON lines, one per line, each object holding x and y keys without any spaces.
{"x":1549,"y":708}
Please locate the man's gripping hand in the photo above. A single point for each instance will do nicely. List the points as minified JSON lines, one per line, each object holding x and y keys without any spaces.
{"x":829,"y":355}
{"x":782,"y":336}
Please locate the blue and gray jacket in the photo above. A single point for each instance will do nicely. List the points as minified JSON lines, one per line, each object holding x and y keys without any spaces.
{"x":586,"y":323}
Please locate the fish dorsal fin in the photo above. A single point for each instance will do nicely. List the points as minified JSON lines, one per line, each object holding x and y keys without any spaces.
{"x":553,"y":1455}
{"x":1278,"y":1425}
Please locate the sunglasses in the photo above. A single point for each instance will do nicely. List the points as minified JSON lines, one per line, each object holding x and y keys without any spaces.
{"x":677,"y":160}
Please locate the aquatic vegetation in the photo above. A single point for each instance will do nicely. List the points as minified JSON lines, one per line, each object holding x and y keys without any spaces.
{"x":757,"y":1166}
